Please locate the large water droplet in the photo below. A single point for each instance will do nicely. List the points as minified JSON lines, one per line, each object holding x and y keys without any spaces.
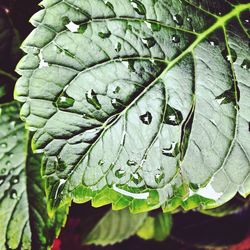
{"x":13,"y":194}
{"x":146,"y":118}
{"x":116,"y":90}
{"x":230,"y":57}
{"x":91,"y":97}
{"x":131,"y":163}
{"x":175,"y":39}
{"x":104,"y":35}
{"x":173,"y":116}
{"x":159,"y":177}
{"x":171,"y":151}
{"x":245,"y":64}
{"x":138,"y":7}
{"x":178,"y":19}
{"x":118,"y":47}
{"x":149,"y":42}
{"x":65,"y":101}
{"x":14,"y":179}
{"x":120,"y":173}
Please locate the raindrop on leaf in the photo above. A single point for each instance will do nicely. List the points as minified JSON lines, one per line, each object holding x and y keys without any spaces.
{"x":146,"y":118}
{"x":91,"y":97}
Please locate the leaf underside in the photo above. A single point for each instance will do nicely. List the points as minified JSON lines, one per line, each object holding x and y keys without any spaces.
{"x":114,"y":227}
{"x":140,"y":104}
{"x":25,"y":223}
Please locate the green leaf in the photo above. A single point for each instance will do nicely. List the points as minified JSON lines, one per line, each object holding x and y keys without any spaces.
{"x":157,"y":228}
{"x":114,"y":227}
{"x":234,"y":206}
{"x":25,"y":223}
{"x":141,"y":104}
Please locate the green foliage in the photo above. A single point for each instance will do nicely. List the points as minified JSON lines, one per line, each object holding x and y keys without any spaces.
{"x":114,"y":227}
{"x":157,"y":228}
{"x":24,"y":219}
{"x":141,"y":104}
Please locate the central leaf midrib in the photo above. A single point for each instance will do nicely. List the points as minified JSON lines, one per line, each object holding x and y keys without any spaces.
{"x":219,"y":23}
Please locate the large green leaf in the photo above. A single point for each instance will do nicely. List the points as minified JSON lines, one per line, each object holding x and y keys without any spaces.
{"x":140,"y":103}
{"x":24,"y":221}
{"x":114,"y":227}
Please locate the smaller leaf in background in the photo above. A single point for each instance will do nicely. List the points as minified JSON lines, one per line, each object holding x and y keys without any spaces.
{"x":157,"y":228}
{"x":25,"y":223}
{"x":114,"y":227}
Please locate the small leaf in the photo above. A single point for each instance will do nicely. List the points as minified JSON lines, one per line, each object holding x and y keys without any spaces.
{"x":157,"y":228}
{"x":114,"y":227}
{"x":23,"y":214}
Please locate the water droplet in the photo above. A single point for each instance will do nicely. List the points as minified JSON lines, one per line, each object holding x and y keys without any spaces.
{"x":13,"y":194}
{"x":3,"y":145}
{"x":118,"y":47}
{"x":8,"y":163}
{"x":110,"y":5}
{"x":230,"y":57}
{"x":213,"y":42}
{"x":131,"y":163}
{"x":104,"y":35}
{"x":146,"y":118}
{"x":173,"y":116}
{"x":82,"y":28}
{"x":171,"y":151}
{"x":71,"y":26}
{"x":159,"y":177}
{"x":245,"y":64}
{"x":153,"y":26}
{"x":14,"y":179}
{"x":65,"y":101}
{"x":91,"y":97}
{"x":136,"y":178}
{"x":116,"y":103}
{"x":3,"y":171}
{"x":227,"y":96}
{"x":100,"y":162}
{"x":116,"y":90}
{"x":178,"y":19}
{"x":149,"y":42}
{"x":2,"y":179}
{"x":175,"y":39}
{"x":120,"y":173}
{"x":138,"y":7}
